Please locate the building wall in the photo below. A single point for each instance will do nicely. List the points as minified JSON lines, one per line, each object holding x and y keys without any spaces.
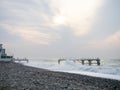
{"x":2,"y":51}
{"x":0,"y":46}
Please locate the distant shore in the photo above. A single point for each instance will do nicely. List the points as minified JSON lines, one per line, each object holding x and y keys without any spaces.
{"x":15,"y":76}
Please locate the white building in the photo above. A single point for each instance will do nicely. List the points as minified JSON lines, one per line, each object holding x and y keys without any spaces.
{"x":4,"y":56}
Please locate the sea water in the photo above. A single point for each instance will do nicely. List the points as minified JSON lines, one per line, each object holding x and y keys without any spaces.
{"x":109,"y":68}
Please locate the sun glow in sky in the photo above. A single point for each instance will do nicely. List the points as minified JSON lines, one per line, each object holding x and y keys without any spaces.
{"x":55,"y":28}
{"x":76,"y":14}
{"x":59,"y":20}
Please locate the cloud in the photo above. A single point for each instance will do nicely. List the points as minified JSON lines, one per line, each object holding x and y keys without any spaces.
{"x":24,"y":12}
{"x":30,"y":20}
{"x":78,"y":14}
{"x":112,"y":41}
{"x":32,"y":34}
{"x":34,"y":20}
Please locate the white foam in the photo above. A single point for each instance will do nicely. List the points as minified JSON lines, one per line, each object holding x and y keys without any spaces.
{"x":70,"y":67}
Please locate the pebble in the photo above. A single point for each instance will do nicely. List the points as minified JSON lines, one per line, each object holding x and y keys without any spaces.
{"x":14,"y":76}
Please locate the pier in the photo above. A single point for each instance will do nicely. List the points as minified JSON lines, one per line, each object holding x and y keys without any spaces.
{"x":21,"y":60}
{"x":83,"y":61}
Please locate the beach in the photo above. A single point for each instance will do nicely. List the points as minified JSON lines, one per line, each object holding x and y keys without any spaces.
{"x":14,"y":76}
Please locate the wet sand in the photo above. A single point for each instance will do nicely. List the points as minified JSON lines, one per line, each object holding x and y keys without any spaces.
{"x":15,"y":76}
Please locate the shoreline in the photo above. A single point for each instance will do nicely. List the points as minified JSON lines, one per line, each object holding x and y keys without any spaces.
{"x":14,"y":76}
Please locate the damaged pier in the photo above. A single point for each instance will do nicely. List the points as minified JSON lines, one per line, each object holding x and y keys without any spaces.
{"x":83,"y":61}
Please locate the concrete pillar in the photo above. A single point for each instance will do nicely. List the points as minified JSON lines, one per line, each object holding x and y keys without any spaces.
{"x":98,"y":61}
{"x":89,"y":62}
{"x":58,"y":61}
{"x":83,"y":62}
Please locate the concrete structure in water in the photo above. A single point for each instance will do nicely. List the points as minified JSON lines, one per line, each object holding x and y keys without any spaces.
{"x":83,"y":61}
{"x":20,"y":60}
{"x":3,"y":56}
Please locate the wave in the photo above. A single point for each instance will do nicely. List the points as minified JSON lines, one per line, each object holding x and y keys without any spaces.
{"x":71,"y":67}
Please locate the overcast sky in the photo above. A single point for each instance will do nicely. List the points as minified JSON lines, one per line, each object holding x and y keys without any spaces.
{"x":60,"y":28}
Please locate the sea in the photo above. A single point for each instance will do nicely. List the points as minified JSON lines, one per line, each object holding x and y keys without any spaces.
{"x":109,"y":68}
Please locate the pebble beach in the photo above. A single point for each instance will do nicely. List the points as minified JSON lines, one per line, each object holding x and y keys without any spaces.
{"x":14,"y":76}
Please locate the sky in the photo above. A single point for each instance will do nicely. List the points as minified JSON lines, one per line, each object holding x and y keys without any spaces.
{"x":60,"y":28}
